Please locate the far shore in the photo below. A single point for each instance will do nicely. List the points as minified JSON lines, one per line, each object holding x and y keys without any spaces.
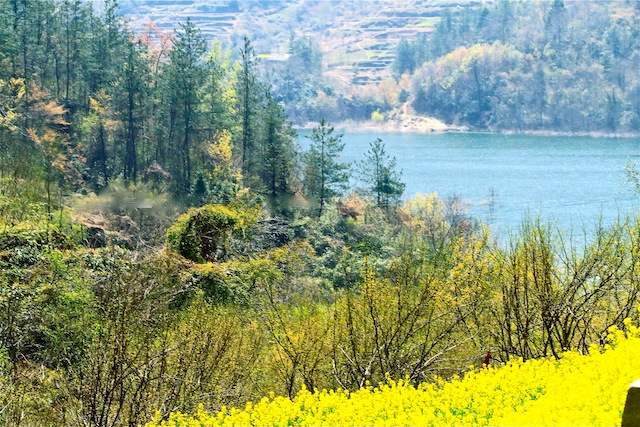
{"x":422,"y":124}
{"x":409,"y":124}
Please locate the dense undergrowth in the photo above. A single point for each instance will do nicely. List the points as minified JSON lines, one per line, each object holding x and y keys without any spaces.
{"x":575,"y":390}
{"x":102,"y":327}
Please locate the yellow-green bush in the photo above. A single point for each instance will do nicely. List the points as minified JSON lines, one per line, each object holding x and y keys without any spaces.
{"x":203,"y":234}
{"x":213,"y":279}
{"x":575,"y":390}
{"x":377,"y":116}
{"x":215,"y":233}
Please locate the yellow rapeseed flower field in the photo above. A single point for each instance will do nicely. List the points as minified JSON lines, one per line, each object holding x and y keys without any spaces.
{"x":579,"y":390}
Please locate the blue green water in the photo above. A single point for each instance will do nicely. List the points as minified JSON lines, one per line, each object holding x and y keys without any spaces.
{"x":571,"y":181}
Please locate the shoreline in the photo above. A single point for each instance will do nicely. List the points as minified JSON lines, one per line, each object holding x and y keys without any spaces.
{"x":591,"y":134}
{"x":406,"y":124}
{"x":426,"y":125}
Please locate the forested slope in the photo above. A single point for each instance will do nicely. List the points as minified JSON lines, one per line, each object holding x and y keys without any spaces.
{"x":87,"y":101}
{"x":563,"y":66}
{"x":566,"y":66}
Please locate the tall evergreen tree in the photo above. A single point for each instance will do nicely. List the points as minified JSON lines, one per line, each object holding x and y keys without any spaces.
{"x":405,"y":59}
{"x":73,"y":22}
{"x":134,"y":91}
{"x":325,"y":176}
{"x":108,"y":37}
{"x":247,"y":90}
{"x":218,"y":96}
{"x":378,"y":172}
{"x":97,"y":137}
{"x":186,"y":76}
{"x":278,"y":153}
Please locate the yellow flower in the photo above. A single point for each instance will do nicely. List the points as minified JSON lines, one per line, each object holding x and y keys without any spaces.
{"x":575,"y":390}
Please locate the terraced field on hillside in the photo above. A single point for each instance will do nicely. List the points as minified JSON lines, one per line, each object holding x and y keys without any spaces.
{"x":357,"y":37}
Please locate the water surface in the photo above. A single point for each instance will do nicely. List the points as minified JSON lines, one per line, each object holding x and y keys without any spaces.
{"x":572,"y":181}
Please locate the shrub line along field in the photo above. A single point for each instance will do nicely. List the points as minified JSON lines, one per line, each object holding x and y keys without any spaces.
{"x":574,"y":390}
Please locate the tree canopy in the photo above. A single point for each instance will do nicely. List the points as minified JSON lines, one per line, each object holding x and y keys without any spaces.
{"x":325,"y":176}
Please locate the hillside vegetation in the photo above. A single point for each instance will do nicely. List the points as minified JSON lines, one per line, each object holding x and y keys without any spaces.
{"x":353,"y":43}
{"x":576,"y":390}
{"x":240,"y":304}
{"x":164,"y":244}
{"x":353,"y":35}
{"x":563,"y":66}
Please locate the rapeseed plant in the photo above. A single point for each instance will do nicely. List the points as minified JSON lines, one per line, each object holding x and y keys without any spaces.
{"x":575,"y":390}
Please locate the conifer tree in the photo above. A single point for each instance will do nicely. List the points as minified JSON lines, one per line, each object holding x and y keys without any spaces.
{"x":325,"y":176}
{"x":378,"y":172}
{"x":247,"y":90}
{"x":278,"y":153}
{"x":134,"y":92}
{"x":218,"y":95}
{"x":186,"y":76}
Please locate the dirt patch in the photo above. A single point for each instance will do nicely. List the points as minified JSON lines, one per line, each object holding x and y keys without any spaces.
{"x":400,"y":123}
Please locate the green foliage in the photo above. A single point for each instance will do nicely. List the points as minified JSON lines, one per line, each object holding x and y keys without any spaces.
{"x":218,"y":284}
{"x":343,"y":236}
{"x":378,"y":172}
{"x":496,"y":68}
{"x":325,"y":177}
{"x":186,"y":74}
{"x":278,"y":166}
{"x":23,"y":201}
{"x":377,"y":116}
{"x":239,"y":282}
{"x":47,"y":318}
{"x":215,"y":360}
{"x":206,"y":233}
{"x":297,"y":81}
{"x":146,"y":108}
{"x":557,"y":292}
{"x":37,"y":237}
{"x":113,"y":334}
{"x":222,"y":179}
{"x":405,"y":58}
{"x":403,"y":96}
{"x":141,"y":325}
{"x":632,"y":176}
{"x":242,"y":304}
{"x":247,"y":90}
{"x":308,"y":53}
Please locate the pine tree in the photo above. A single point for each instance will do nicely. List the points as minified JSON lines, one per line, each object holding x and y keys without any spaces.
{"x":218,"y":95}
{"x":134,"y":91}
{"x":405,"y":59}
{"x":278,"y":154}
{"x":325,"y":176}
{"x":378,"y":172}
{"x":186,"y":76}
{"x":247,"y":90}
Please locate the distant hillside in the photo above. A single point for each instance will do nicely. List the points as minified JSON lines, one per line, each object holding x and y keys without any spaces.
{"x":568,"y":66}
{"x":358,"y":38}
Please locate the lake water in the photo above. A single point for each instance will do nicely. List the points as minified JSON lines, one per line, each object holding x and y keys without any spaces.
{"x":572,"y":181}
